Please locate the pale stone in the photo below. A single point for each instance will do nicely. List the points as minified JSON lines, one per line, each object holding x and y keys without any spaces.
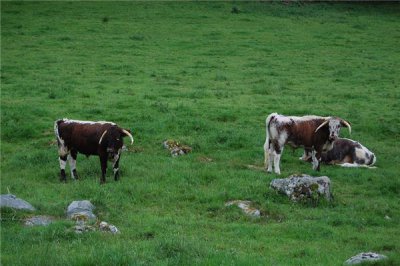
{"x":81,"y":210}
{"x":303,"y":186}
{"x":245,"y":206}
{"x":39,"y":220}
{"x":364,"y":257}
{"x":11,"y":201}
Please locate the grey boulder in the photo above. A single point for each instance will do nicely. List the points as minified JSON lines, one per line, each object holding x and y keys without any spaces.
{"x":11,"y":201}
{"x":81,"y":210}
{"x":39,"y":220}
{"x":298,"y":187}
{"x":365,"y":257}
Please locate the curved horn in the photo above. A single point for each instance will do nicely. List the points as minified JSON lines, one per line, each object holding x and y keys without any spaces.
{"x":347,"y":124}
{"x":323,"y":124}
{"x":128,"y":134}
{"x":101,"y":138}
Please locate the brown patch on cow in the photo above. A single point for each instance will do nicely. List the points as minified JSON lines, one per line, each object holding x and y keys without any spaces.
{"x":347,"y":159}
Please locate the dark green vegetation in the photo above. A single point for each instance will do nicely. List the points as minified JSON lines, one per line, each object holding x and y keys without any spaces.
{"x":206,"y":74}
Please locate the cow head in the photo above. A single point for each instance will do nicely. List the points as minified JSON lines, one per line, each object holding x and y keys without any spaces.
{"x":112,"y":139}
{"x":334,"y":124}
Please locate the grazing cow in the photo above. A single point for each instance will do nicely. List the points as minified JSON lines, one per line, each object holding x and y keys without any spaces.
{"x":90,"y":138}
{"x":346,"y":153}
{"x":314,"y":133}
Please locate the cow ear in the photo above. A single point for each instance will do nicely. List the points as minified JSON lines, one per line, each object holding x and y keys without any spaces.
{"x":127,"y":133}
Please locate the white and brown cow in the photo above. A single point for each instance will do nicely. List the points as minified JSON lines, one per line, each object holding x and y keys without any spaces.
{"x":346,"y":153}
{"x":104,"y":139}
{"x":314,"y":133}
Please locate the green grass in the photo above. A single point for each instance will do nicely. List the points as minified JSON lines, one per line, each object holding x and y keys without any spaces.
{"x":197,"y":73}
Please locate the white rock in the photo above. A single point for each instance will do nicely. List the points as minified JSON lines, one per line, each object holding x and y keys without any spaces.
{"x":363,"y":257}
{"x":11,"y":201}
{"x":245,"y":206}
{"x":81,"y":210}
{"x":40,"y":220}
{"x":303,"y":186}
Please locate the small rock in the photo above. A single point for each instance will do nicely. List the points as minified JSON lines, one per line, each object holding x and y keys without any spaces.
{"x":104,"y":226}
{"x":11,"y":201}
{"x":82,"y":228}
{"x":364,"y":257}
{"x":245,"y":206}
{"x":81,"y":210}
{"x":39,"y":220}
{"x":176,"y":148}
{"x":303,"y":186}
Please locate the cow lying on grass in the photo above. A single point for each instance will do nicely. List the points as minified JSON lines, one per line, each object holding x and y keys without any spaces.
{"x":346,"y":153}
{"x":313,"y":133}
{"x":104,"y":139}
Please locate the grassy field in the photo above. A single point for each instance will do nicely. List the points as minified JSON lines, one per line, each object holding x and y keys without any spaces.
{"x":201,"y":74}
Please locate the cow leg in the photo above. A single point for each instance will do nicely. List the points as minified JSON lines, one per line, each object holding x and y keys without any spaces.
{"x":266,"y":154}
{"x":116,"y":168}
{"x":316,"y":159}
{"x":63,"y":163}
{"x":271,"y":157}
{"x":103,"y":162}
{"x":306,"y":155}
{"x":277,"y":158}
{"x":72,"y":164}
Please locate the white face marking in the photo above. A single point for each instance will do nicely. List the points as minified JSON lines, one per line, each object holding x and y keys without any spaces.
{"x":334,"y":128}
{"x":116,"y":157}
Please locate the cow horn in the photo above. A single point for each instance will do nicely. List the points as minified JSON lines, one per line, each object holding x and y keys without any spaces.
{"x":126,"y":132}
{"x":101,"y":138}
{"x":347,"y":124}
{"x":323,"y":124}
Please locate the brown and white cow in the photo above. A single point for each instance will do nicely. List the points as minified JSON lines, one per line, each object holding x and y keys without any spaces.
{"x":346,"y":153}
{"x":104,"y":139}
{"x":314,"y":133}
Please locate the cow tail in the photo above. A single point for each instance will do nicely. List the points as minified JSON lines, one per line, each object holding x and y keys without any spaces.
{"x":56,"y":123}
{"x":267,"y":139}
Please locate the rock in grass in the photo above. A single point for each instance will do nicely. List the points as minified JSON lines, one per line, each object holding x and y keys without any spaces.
{"x":176,"y":148}
{"x":303,"y":187}
{"x":81,"y":211}
{"x":39,"y":220}
{"x":245,"y":206}
{"x":11,"y":201}
{"x":365,"y":257}
{"x":106,"y":227}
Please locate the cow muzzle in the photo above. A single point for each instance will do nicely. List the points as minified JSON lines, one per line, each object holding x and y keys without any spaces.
{"x":332,"y":138}
{"x":111,"y":153}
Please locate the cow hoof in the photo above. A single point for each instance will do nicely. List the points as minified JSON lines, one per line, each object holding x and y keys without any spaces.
{"x":63,"y":177}
{"x":75,"y":174}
